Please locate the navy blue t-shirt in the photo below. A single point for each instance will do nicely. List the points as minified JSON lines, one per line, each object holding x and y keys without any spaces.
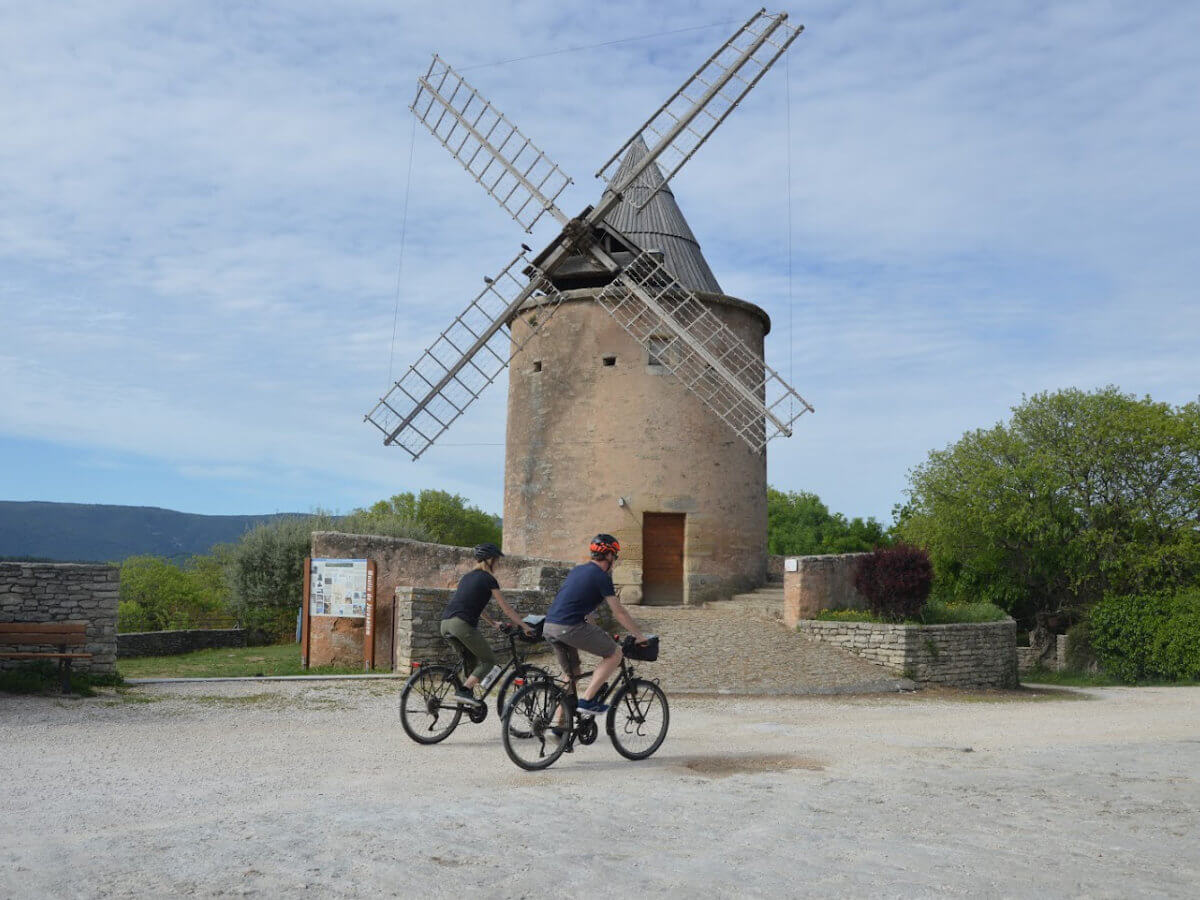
{"x":473,"y":594}
{"x":585,"y":588}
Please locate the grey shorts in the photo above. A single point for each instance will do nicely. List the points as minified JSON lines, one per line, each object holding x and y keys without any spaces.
{"x":568,"y":640}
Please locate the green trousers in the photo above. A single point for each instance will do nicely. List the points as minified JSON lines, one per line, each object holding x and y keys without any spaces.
{"x":475,"y":647}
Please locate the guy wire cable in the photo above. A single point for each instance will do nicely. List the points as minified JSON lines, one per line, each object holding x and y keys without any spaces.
{"x":412,"y":143}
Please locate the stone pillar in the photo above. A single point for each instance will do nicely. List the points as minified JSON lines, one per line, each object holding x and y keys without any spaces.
{"x":814,"y":583}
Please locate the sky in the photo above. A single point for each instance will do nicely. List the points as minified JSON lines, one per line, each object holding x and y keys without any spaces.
{"x":221,"y":235}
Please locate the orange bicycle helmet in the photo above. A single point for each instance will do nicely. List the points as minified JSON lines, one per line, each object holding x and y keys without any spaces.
{"x":603,"y":544}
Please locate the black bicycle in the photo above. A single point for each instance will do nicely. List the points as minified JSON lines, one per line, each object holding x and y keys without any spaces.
{"x":542,"y":723}
{"x":429,"y":711}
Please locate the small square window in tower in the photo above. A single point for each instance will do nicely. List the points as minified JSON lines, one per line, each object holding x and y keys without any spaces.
{"x":662,"y":558}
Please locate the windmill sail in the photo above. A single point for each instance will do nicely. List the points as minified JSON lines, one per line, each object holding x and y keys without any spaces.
{"x":681,"y":125}
{"x":519,"y":176}
{"x":463,"y":361}
{"x":686,"y":337}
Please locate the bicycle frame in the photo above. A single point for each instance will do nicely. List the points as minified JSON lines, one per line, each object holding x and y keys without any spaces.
{"x":516,"y":660}
{"x":574,"y":721}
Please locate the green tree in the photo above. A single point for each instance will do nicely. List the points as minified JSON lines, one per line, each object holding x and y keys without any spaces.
{"x":1079,"y":495}
{"x":447,"y":517}
{"x":157,"y":595}
{"x":799,"y":524}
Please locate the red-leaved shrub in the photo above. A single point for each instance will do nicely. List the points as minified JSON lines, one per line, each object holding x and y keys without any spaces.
{"x":895,"y":581}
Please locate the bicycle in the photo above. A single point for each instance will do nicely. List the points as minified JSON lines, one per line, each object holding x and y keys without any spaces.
{"x":429,"y":717}
{"x":542,"y":723}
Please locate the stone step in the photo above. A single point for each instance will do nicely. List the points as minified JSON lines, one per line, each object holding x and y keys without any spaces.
{"x":767,"y":600}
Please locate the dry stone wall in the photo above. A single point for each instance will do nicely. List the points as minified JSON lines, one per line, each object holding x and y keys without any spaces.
{"x":979,"y":654}
{"x":64,"y":592}
{"x":417,"y":635}
{"x":170,"y":643}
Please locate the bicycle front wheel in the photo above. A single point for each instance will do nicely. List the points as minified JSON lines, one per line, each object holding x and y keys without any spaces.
{"x":428,"y":711}
{"x":638,"y":718}
{"x":532,"y":737}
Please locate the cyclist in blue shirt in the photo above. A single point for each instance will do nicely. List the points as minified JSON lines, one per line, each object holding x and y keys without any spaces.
{"x":570,"y":623}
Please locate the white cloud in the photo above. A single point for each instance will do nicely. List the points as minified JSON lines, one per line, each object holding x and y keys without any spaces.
{"x":200,"y":218}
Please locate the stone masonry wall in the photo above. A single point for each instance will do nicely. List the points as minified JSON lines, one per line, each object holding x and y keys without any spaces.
{"x":64,"y":592}
{"x":170,"y":643}
{"x":417,"y":637}
{"x":1053,"y":658}
{"x":819,"y":582}
{"x":405,"y":563}
{"x":979,"y":654}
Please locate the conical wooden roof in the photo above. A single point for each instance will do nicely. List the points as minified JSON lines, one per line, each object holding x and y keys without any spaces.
{"x":660,"y":225}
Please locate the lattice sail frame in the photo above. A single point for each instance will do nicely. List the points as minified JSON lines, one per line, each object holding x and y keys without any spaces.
{"x":702,"y":351}
{"x":464,"y":360}
{"x":509,"y":166}
{"x":680,"y":126}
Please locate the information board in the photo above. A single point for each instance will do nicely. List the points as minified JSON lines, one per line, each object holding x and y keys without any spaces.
{"x":338,"y":587}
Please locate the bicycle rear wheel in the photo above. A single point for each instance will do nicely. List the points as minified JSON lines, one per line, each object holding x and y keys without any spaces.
{"x":528,"y":730}
{"x":638,"y":717}
{"x":527,"y":673}
{"x":428,"y":711}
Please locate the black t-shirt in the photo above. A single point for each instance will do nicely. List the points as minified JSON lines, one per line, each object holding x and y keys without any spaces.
{"x":473,"y":593}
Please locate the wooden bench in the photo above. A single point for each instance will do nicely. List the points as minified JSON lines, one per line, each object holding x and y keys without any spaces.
{"x":53,"y":634}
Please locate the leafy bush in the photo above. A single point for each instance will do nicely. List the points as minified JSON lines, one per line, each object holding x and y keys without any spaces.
{"x":934,"y":613}
{"x":938,"y":613}
{"x":266,"y":572}
{"x":895,"y":581}
{"x":799,"y":524}
{"x":1149,"y":637}
{"x":1079,"y":496}
{"x":846,"y":615}
{"x":43,"y":677}
{"x":1081,"y":655}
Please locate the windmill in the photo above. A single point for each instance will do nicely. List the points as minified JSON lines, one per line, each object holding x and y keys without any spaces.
{"x":673,"y":319}
{"x":644,"y":297}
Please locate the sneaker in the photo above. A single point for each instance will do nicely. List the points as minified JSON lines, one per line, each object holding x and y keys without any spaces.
{"x":590,"y":708}
{"x":467,"y":696}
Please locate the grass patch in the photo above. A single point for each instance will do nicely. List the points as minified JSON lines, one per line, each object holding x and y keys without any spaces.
{"x":1022,"y":694}
{"x":1084,"y":679}
{"x":229,"y":662}
{"x":934,"y":613}
{"x":43,"y":677}
{"x":236,"y":702}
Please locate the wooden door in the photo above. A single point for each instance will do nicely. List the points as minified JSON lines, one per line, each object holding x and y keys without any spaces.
{"x":662,"y":558}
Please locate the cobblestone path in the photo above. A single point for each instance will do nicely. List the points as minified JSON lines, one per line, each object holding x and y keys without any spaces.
{"x":744,"y":652}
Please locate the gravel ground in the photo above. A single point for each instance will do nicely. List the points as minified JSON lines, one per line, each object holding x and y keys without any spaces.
{"x":735,"y":650}
{"x":282,"y":788}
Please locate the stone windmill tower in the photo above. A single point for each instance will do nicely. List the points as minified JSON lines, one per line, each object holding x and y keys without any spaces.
{"x":639,"y":401}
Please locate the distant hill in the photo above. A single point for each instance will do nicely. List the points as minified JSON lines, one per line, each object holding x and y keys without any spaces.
{"x":85,"y":532}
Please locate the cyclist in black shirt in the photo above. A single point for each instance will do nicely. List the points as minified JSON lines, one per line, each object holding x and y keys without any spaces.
{"x":460,"y":619}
